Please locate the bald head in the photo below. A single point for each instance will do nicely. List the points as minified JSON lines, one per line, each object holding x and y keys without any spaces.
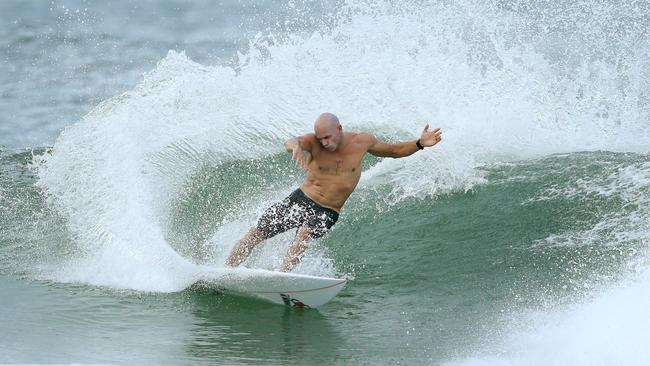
{"x":328,"y":131}
{"x":326,"y":120}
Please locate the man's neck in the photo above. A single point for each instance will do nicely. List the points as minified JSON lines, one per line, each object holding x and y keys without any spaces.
{"x":342,"y":143}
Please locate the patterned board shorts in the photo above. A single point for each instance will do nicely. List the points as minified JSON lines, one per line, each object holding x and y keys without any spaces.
{"x":296,"y":211}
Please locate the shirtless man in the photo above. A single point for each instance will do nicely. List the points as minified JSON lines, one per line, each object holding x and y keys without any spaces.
{"x":333,"y":166}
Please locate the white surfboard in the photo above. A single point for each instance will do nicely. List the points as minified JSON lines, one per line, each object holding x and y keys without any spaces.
{"x":296,"y":290}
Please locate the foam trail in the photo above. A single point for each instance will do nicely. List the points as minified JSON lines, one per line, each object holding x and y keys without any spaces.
{"x":108,"y":175}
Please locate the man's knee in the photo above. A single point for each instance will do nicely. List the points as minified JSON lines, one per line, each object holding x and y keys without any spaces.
{"x":304,"y":233}
{"x":256,"y":234}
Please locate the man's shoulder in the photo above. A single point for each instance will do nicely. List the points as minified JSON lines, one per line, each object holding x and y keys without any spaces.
{"x":362,"y":137}
{"x":310,"y":138}
{"x":307,"y":141}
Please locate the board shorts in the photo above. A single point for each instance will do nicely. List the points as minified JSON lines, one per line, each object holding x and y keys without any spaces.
{"x":297,"y":211}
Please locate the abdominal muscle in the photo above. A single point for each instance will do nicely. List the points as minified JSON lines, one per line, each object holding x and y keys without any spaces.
{"x":330,"y":191}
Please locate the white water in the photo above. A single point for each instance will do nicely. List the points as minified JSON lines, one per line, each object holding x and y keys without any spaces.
{"x":608,"y":330}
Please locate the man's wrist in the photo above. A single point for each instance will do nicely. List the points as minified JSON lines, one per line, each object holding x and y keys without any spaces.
{"x":419,"y":145}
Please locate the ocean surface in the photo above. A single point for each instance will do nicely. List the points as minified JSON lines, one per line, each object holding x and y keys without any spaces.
{"x":139,"y":140}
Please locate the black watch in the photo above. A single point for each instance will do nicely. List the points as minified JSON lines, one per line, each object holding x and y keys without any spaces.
{"x":419,"y":145}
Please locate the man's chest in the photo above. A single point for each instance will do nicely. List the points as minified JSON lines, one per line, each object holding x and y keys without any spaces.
{"x":336,"y":164}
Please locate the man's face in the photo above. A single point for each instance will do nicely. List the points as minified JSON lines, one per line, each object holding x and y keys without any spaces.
{"x":329,"y":137}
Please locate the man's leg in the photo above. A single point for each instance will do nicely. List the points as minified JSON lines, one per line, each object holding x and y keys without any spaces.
{"x":244,"y":247}
{"x":297,"y":249}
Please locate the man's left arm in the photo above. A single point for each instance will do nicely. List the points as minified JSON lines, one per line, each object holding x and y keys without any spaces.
{"x":402,"y":149}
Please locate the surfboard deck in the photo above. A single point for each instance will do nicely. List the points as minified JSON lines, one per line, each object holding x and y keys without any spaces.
{"x":289,"y":289}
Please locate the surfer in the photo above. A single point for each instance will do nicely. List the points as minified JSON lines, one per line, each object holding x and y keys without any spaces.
{"x":332,"y":160}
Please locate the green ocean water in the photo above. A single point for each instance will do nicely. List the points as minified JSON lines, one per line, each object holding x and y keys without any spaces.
{"x":435,"y":278}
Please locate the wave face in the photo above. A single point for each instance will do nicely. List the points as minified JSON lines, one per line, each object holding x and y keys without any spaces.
{"x":541,"y":181}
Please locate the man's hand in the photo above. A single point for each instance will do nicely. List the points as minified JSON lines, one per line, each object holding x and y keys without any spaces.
{"x":298,"y":146}
{"x":298,"y":156}
{"x":430,"y":138}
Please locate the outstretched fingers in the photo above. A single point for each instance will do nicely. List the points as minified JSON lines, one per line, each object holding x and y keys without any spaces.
{"x":430,"y":138}
{"x":437,"y":135}
{"x":299,"y":158}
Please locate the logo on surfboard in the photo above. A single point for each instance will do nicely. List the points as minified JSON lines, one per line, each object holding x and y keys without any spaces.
{"x":293,"y":302}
